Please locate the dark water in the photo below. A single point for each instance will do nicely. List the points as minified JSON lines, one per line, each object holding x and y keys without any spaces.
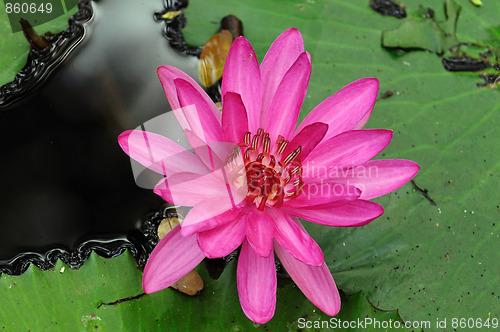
{"x":64,"y":179}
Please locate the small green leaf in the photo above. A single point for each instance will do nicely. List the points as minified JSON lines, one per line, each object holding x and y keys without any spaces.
{"x":428,"y":33}
{"x":414,"y":33}
{"x":15,"y":47}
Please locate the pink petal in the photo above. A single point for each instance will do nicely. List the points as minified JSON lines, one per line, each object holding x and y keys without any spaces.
{"x":297,"y":242}
{"x":220,"y":152}
{"x":168,"y":74}
{"x":352,"y":214}
{"x":307,"y":139}
{"x":279,"y":58}
{"x":224,"y":239}
{"x":209,"y":214}
{"x":256,"y":278}
{"x":260,"y":232}
{"x":203,"y":151}
{"x":159,"y":153}
{"x":234,"y":118}
{"x":171,"y":260}
{"x":213,"y":156}
{"x":316,"y":282}
{"x":363,"y":121}
{"x":324,"y":193}
{"x":351,"y":148}
{"x":190,"y":189}
{"x":189,"y":121}
{"x":285,"y":107}
{"x":242,"y":76}
{"x":379,"y":177}
{"x":346,"y":108}
{"x":203,"y":117}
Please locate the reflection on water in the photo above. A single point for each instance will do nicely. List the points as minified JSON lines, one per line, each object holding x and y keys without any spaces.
{"x":64,"y":179}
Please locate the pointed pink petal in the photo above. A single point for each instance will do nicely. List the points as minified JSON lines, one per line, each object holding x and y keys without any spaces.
{"x":171,"y":260}
{"x":159,"y":153}
{"x":203,"y":151}
{"x":346,"y":108}
{"x":352,"y":214}
{"x":190,"y":189}
{"x":379,"y":177}
{"x":242,"y":76}
{"x":168,"y":74}
{"x":297,"y":242}
{"x":256,"y":278}
{"x":223,"y":240}
{"x":279,"y":58}
{"x":212,"y":156}
{"x":234,"y":118}
{"x":189,"y":120}
{"x":260,"y":232}
{"x":351,"y":148}
{"x":324,"y":193}
{"x":363,"y":121}
{"x":285,"y":107}
{"x":200,"y":148}
{"x":308,"y":138}
{"x":203,"y":117}
{"x":220,"y":151}
{"x":316,"y":282}
{"x":209,"y":214}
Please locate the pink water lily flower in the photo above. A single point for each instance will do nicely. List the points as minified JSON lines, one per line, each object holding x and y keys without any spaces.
{"x":253,"y":174}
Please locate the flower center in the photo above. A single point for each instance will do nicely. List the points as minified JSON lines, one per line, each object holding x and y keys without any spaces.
{"x":261,"y":171}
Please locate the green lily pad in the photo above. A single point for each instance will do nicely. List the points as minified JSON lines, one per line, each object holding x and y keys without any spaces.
{"x":430,"y":262}
{"x":15,"y":47}
{"x":63,"y":299}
